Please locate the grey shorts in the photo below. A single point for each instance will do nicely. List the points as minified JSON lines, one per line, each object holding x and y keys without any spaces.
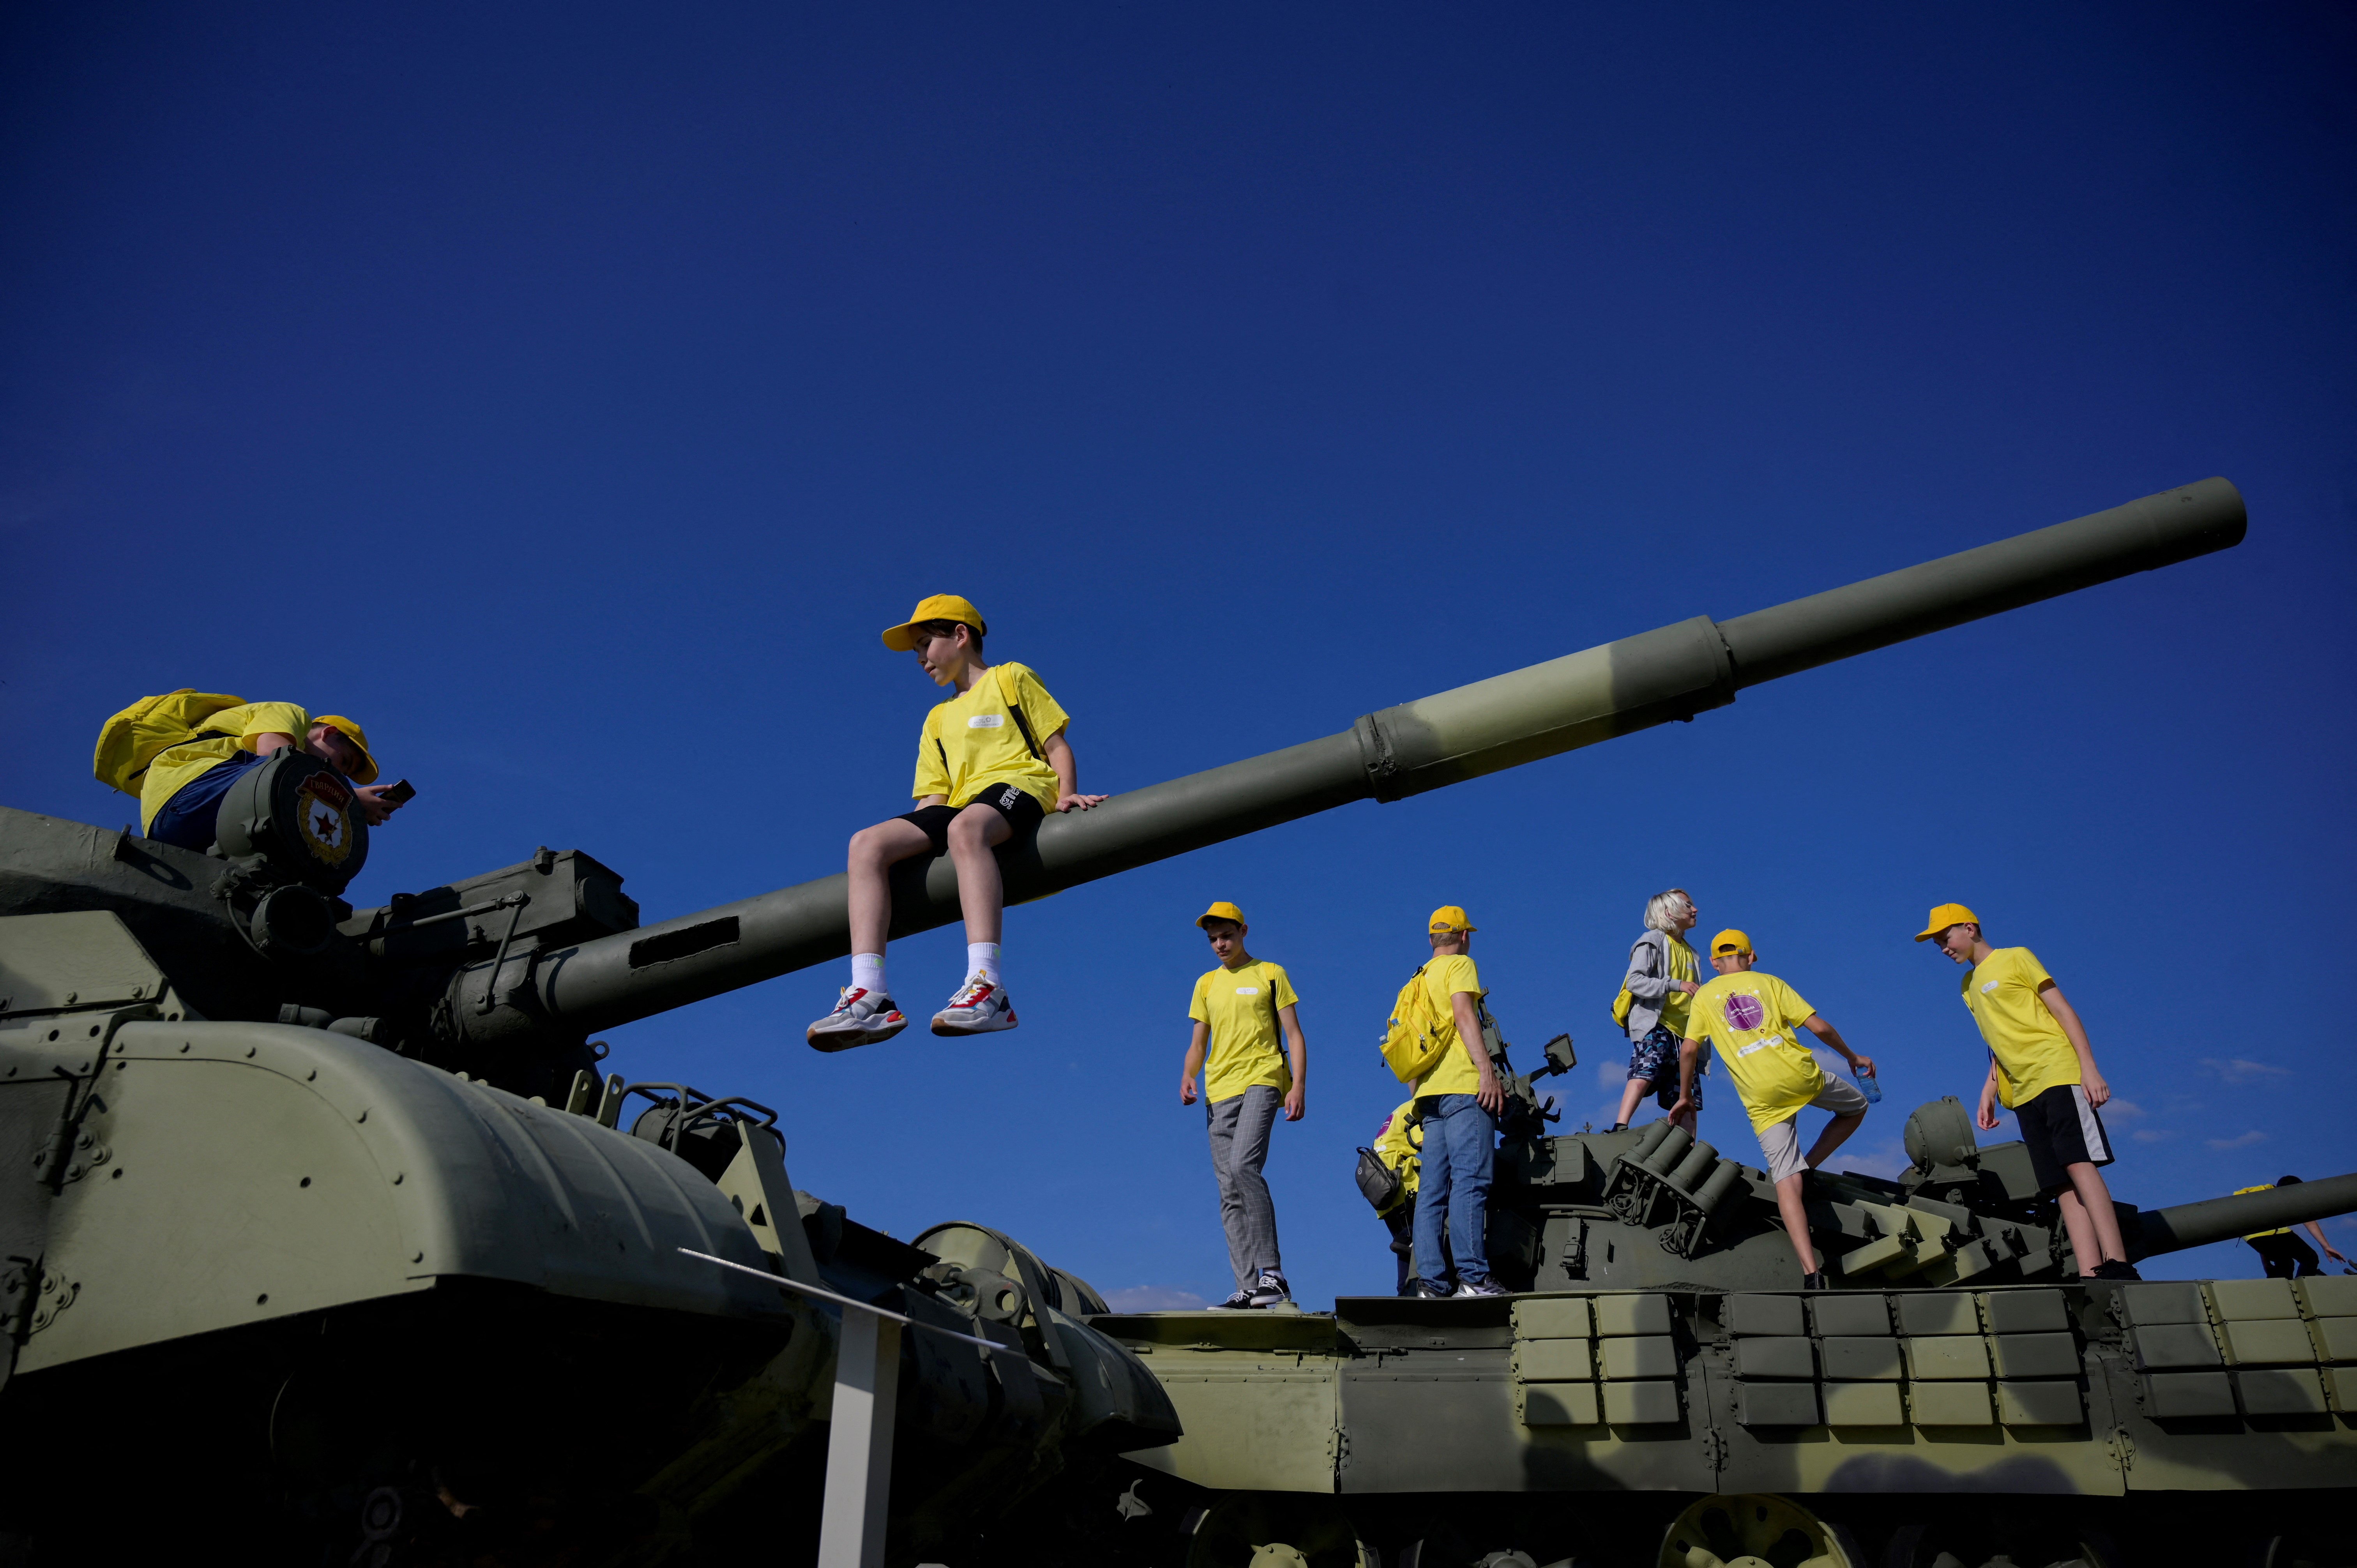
{"x":1781,"y":1142}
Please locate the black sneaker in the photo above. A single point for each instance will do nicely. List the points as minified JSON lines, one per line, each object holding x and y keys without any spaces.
{"x":1425,"y":1291}
{"x":1617,"y":1127}
{"x":1816,"y":1282}
{"x":1239,"y":1302}
{"x":2115,"y":1269}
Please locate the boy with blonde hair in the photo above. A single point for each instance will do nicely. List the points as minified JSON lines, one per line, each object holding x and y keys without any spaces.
{"x":992,"y":761}
{"x":1240,"y":1010}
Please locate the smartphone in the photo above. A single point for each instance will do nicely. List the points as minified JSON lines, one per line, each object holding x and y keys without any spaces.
{"x":400,"y":793}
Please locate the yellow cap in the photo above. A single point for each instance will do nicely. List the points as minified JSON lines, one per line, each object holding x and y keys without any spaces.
{"x":1450,"y":918}
{"x":938,"y":606}
{"x":351,"y":731}
{"x":1940,"y":919}
{"x":1222,"y":911}
{"x":1730,"y":941}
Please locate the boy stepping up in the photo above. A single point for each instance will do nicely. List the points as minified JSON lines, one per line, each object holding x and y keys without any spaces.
{"x":2042,"y":1067}
{"x":992,"y":761}
{"x":1239,"y":1009}
{"x":1753,"y":1019}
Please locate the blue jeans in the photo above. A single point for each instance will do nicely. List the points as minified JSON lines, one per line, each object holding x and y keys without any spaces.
{"x":189,"y":817}
{"x":1460,"y":1143}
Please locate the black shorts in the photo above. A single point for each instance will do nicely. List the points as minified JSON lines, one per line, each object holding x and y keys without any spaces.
{"x":2286,"y":1256}
{"x":2062,"y":1130}
{"x":1022,"y":811}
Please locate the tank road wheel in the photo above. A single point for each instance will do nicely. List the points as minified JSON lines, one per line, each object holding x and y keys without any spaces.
{"x":1276,"y":1530}
{"x":2297,"y":1550}
{"x":1756,"y":1531}
{"x":1973,"y":1543}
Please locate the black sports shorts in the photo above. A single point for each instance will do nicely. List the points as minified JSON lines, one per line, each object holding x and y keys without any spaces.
{"x":1022,"y":811}
{"x":2062,"y":1130}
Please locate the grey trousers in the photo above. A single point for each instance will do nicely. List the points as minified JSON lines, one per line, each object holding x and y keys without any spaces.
{"x":1239,"y":1147}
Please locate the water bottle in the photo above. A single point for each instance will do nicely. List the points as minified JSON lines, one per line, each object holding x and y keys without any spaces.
{"x":1871,"y":1089}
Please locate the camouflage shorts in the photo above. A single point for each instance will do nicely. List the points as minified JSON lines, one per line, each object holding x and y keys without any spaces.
{"x":1655,"y":1059}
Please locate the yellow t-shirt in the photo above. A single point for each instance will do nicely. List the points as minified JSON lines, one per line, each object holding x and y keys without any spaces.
{"x":971,"y":741}
{"x":1444,"y":977}
{"x":1753,"y":1020}
{"x":1240,"y":1004}
{"x":178,"y":766}
{"x":2256,"y":1235}
{"x":2032,"y":1053}
{"x":1400,"y":1145}
{"x":1682,"y":966}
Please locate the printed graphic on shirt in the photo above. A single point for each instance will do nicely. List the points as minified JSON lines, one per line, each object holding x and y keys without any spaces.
{"x":1752,"y":1020}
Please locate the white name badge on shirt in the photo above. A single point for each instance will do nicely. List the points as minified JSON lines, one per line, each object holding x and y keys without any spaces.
{"x":1989,"y":987}
{"x":1760,"y":1045}
{"x":1247,"y":990}
{"x":986,"y":721}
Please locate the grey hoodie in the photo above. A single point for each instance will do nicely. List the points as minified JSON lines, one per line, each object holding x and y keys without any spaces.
{"x":1647,"y":981}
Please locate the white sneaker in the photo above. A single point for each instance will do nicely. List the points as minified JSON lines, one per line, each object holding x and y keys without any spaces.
{"x":979,"y":1007}
{"x":861,"y":1017}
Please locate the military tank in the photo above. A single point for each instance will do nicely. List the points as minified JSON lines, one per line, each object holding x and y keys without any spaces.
{"x":340,"y":1217}
{"x":1660,"y":1389}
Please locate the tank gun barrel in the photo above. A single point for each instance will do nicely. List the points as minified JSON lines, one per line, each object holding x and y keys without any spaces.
{"x":1672,"y":673}
{"x":2245,"y":1213}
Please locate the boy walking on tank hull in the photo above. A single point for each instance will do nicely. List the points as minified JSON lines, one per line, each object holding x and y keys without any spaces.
{"x":1753,"y":1020}
{"x":1239,"y":1009}
{"x":2042,"y":1067}
{"x":1459,"y":1102}
{"x":992,"y":761}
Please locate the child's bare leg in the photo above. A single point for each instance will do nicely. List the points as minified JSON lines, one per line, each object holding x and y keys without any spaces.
{"x":2082,"y":1231}
{"x":1638,"y":1089}
{"x":2103,"y":1220}
{"x":1835,"y":1134}
{"x":872,"y":853}
{"x":981,"y":893}
{"x":1796,"y":1221}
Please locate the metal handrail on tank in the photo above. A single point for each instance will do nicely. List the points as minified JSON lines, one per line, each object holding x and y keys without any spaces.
{"x":1672,"y":673}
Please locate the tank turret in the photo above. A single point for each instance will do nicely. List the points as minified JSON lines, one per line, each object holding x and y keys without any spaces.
{"x":1653,"y":1206}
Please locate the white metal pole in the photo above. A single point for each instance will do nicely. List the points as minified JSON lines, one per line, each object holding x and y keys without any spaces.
{"x":859,"y":1442}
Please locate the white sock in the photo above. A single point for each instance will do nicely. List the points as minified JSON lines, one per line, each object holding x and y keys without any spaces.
{"x":867,"y":972}
{"x":981,"y":961}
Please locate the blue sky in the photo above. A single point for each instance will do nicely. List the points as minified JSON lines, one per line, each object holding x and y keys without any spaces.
{"x":571,"y":393}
